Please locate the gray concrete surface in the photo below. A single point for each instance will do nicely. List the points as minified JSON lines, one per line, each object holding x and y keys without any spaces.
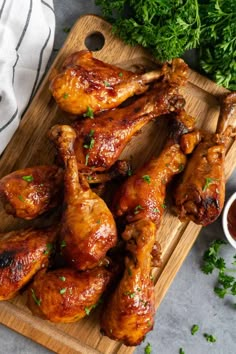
{"x":190,"y":300}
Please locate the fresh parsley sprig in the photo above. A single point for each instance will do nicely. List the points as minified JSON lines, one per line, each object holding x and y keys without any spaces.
{"x":226,"y":284}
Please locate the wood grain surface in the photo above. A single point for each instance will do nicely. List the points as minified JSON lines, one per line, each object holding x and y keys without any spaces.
{"x":30,"y":146}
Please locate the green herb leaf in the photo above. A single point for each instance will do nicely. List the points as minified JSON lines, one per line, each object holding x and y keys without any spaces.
{"x":106,"y":84}
{"x":66,"y":29}
{"x":65,"y":95}
{"x":62,"y":291}
{"x":130,"y":294}
{"x":63,"y":244}
{"x":148,"y":349}
{"x":181,"y":167}
{"x":49,"y":248}
{"x":181,"y":351}
{"x":137,"y":209}
{"x":20,"y":197}
{"x":210,"y":338}
{"x":62,"y":278}
{"x":28,"y":178}
{"x":194,"y":329}
{"x":120,"y":74}
{"x":86,"y":159}
{"x":208,"y":182}
{"x":156,"y":210}
{"x":36,"y":300}
{"x":89,"y":113}
{"x":147,"y":178}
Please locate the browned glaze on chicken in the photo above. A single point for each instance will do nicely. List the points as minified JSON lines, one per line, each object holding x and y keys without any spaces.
{"x":100,"y":141}
{"x":200,"y":194}
{"x":66,"y":295}
{"x":22,"y":254}
{"x":129,"y":313}
{"x":86,"y":84}
{"x":143,"y":194}
{"x":88,"y":229}
{"x":32,"y":191}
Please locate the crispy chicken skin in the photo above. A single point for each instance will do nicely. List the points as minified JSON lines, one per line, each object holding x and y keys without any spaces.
{"x":88,"y":83}
{"x":200,"y":194}
{"x":88,"y":229}
{"x":101,"y":140}
{"x":129,"y":313}
{"x":66,"y":295}
{"x":30,"y":192}
{"x":22,"y":254}
{"x":143,"y":194}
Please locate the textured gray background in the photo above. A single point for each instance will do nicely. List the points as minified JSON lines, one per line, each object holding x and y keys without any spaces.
{"x":189,"y":300}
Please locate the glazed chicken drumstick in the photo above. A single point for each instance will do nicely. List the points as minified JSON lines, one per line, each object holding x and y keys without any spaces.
{"x":200,"y":194}
{"x":101,"y":140}
{"x":129,"y":313}
{"x":88,"y":229}
{"x":143,"y":194}
{"x":32,"y":191}
{"x":66,"y":295}
{"x":86,"y":85}
{"x":22,"y":254}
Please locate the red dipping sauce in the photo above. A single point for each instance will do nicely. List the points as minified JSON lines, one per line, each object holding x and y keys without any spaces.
{"x":231,"y":219}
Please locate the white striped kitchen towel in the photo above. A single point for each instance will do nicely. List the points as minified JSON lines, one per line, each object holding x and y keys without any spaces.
{"x":27,"y":30}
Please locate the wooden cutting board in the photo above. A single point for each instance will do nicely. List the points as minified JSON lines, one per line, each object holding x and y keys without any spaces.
{"x":30,"y":147}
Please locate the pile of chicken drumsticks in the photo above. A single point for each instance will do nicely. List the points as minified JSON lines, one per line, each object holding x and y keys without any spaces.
{"x":96,"y":260}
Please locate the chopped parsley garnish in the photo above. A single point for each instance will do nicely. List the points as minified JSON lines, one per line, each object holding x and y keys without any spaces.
{"x":28,"y":178}
{"x":226,"y":284}
{"x":87,"y":310}
{"x":208,"y":182}
{"x":49,"y":248}
{"x":62,"y":278}
{"x":63,"y":243}
{"x":163,"y":206}
{"x":130,"y":294}
{"x":36,"y":300}
{"x":194,"y":329}
{"x":20,"y":198}
{"x":156,"y":210}
{"x":148,"y":349}
{"x":65,"y":95}
{"x":210,"y":338}
{"x":181,"y":167}
{"x":147,"y":178}
{"x":66,"y":29}
{"x":86,"y":159}
{"x":137,"y":209}
{"x":62,"y":291}
{"x":99,"y":221}
{"x":89,"y":113}
{"x":107,"y":84}
{"x":120,"y":74}
{"x":181,"y":351}
{"x":91,"y":144}
{"x":130,"y":172}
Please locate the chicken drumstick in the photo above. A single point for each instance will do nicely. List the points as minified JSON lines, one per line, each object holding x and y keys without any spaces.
{"x":200,"y":194}
{"x":88,"y":229}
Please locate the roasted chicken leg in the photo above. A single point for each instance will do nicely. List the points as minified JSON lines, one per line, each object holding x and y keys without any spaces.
{"x":29,"y":192}
{"x":86,"y":85}
{"x":129,"y":313}
{"x":143,"y":194}
{"x":66,"y":295}
{"x":22,"y":254}
{"x":88,"y":229}
{"x":200,"y":194}
{"x":101,"y":140}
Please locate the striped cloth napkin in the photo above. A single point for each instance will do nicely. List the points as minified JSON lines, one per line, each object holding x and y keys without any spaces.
{"x":27,"y":30}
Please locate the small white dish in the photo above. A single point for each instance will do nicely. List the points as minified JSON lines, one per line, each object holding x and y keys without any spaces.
{"x":227,"y":206}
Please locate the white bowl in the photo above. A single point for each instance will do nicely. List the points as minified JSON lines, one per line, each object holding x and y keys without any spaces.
{"x":228,"y":204}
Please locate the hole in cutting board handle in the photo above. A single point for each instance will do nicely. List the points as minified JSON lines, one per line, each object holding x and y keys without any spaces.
{"x":94,"y":41}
